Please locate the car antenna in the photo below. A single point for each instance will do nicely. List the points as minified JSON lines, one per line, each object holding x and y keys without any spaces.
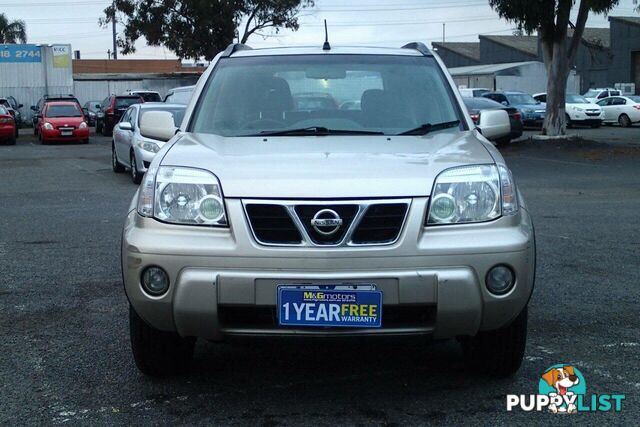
{"x":326,"y":45}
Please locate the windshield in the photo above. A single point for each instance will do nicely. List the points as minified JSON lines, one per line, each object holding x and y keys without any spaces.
{"x":63,"y":111}
{"x":177,"y":113}
{"x":522,"y":99}
{"x":150,"y":96}
{"x":576,"y":99}
{"x":3,"y":111}
{"x":357,"y":93}
{"x":124,"y":103}
{"x":635,"y":99}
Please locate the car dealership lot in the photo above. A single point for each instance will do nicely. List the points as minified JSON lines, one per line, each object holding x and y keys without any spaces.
{"x":64,"y":349}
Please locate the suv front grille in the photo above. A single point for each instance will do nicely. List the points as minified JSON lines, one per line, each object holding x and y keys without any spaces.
{"x":351,"y":223}
{"x":380,"y":224}
{"x":272,"y":224}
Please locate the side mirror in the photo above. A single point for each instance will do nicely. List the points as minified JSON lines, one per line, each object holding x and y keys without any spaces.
{"x":505,"y":103}
{"x":494,"y":124}
{"x":158,"y":125}
{"x":125,"y":126}
{"x":33,"y":108}
{"x":20,"y":105}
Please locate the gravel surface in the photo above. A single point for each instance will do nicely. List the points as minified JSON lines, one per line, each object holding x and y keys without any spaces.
{"x":64,"y":344}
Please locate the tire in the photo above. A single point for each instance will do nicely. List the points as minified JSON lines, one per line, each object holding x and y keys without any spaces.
{"x":569,"y":122}
{"x":105,"y":131}
{"x":624,"y":121}
{"x":11,"y":140}
{"x":35,"y":131}
{"x":17,"y":132}
{"x":98,"y":127}
{"x":85,"y":141}
{"x":158,"y":353}
{"x":498,"y":352}
{"x":115,"y":164}
{"x":136,"y":176}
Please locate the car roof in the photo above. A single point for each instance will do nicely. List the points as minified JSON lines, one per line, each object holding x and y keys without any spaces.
{"x":317,"y":50}
{"x":158,"y":106}
{"x":62,"y":103}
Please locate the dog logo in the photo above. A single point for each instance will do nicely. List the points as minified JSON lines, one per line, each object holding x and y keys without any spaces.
{"x":566,"y":382}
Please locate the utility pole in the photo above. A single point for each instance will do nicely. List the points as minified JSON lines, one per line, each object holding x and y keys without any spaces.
{"x":113,"y":29}
{"x":444,"y":25}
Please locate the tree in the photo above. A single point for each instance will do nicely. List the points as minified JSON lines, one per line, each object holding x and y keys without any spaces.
{"x":551,"y":19}
{"x":12,"y":31}
{"x":199,"y":28}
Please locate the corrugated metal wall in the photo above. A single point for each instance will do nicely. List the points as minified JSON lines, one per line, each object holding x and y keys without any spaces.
{"x":29,"y":81}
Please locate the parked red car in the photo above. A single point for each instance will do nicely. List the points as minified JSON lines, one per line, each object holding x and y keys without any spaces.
{"x":62,"y":121}
{"x":7,"y":127}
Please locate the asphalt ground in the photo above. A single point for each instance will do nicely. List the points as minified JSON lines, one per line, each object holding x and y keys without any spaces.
{"x":64,"y":344}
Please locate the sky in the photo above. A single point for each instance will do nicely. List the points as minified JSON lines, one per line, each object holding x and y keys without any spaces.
{"x":351,"y":22}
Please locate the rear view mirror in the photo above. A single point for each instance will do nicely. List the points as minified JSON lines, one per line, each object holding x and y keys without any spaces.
{"x":325,"y":73}
{"x":158,"y":125}
{"x":494,"y":124}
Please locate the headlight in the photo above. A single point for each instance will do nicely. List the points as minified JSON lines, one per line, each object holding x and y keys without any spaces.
{"x":83,"y":125}
{"x":48,"y":126}
{"x":151,"y":147}
{"x":182,"y":196}
{"x":527,"y":110}
{"x":578,"y":109}
{"x":472,"y":194}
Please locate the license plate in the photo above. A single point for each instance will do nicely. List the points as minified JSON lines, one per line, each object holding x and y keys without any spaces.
{"x":330,"y":306}
{"x":66,"y":132}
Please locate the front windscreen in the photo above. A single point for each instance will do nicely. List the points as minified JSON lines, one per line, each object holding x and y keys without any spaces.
{"x":522,"y":99}
{"x":377,"y":93}
{"x":63,"y":111}
{"x":576,"y":99}
{"x":635,"y":99}
{"x":150,"y":97}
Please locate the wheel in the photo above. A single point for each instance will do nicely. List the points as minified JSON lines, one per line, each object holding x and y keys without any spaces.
{"x":11,"y":140}
{"x":105,"y":131}
{"x":17,"y":132}
{"x":158,"y":353}
{"x":624,"y":121}
{"x":569,"y":123}
{"x":136,"y":176}
{"x":498,"y":352}
{"x":115,"y":164}
{"x":35,"y":131}
{"x":98,"y":127}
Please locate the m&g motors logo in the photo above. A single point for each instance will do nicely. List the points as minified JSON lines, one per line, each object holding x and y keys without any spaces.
{"x":563,"y":389}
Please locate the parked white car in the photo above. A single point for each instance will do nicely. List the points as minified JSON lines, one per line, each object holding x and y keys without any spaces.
{"x":624,"y":110}
{"x":147,"y":95}
{"x":475,"y":92}
{"x":134,"y":150}
{"x":578,"y":109}
{"x":594,"y":95}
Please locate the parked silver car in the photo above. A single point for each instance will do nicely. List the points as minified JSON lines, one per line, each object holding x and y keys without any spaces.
{"x":260,"y":219}
{"x":135,"y":150}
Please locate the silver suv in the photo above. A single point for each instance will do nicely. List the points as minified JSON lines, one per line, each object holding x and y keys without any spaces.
{"x":272,"y":211}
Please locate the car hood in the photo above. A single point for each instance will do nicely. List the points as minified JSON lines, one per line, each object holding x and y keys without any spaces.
{"x":534,"y":107}
{"x":332,"y":167}
{"x":62,"y":121}
{"x":585,"y":106}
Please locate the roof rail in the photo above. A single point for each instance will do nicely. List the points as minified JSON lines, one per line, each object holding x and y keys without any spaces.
{"x":420,"y":47}
{"x":234,"y":47}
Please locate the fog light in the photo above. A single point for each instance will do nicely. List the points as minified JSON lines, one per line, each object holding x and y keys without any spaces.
{"x":500,"y":279}
{"x":155,"y":281}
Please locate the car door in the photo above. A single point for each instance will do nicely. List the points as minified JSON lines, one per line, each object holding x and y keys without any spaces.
{"x":127,"y":135}
{"x":604,"y":105}
{"x":617,"y":107}
{"x":119,"y":138}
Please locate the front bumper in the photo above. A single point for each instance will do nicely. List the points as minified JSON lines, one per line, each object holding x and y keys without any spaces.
{"x":143,"y":158}
{"x":56,"y":135}
{"x":224,"y":283}
{"x":585,"y":117}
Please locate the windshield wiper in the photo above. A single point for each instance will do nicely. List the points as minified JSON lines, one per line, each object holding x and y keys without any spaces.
{"x":315,"y":130}
{"x":428,"y":127}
